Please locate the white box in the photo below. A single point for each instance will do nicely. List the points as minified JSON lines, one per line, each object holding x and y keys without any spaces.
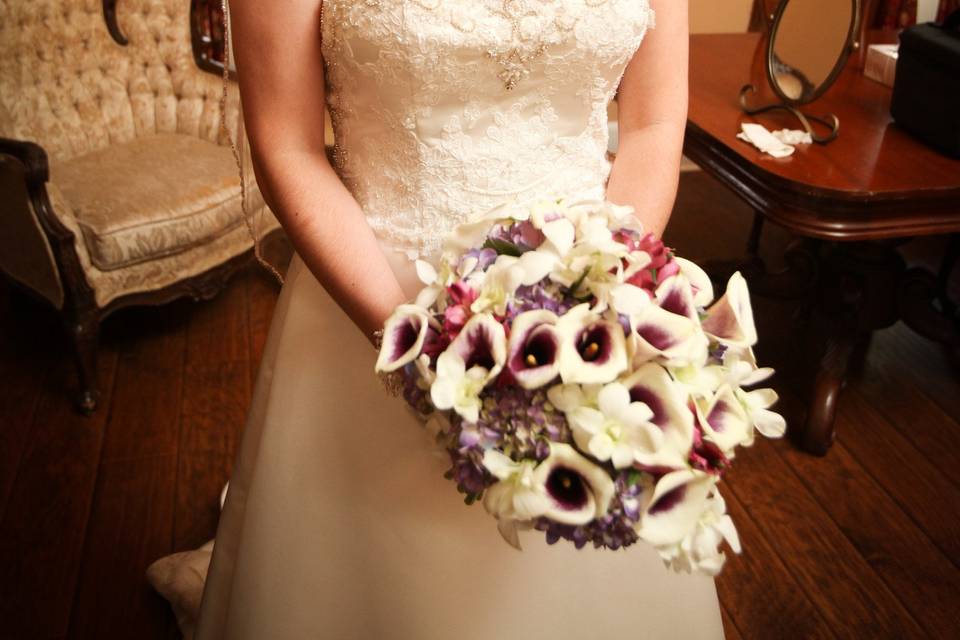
{"x":881,"y":64}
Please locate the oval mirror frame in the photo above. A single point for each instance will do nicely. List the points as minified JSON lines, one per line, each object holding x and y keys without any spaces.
{"x":851,"y":44}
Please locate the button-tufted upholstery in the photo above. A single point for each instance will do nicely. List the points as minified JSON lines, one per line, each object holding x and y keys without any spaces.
{"x":142,"y":192}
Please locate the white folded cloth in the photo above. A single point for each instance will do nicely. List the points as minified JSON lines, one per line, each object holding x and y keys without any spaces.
{"x":778,"y":144}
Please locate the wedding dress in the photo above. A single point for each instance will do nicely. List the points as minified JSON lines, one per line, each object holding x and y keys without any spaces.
{"x":338,"y":522}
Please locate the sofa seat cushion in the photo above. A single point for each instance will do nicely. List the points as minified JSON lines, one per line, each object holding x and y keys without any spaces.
{"x":151,"y":197}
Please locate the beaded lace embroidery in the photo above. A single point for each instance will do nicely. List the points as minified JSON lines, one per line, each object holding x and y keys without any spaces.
{"x":445,"y":109}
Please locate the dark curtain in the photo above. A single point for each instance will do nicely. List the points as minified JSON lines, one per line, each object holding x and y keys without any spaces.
{"x":947,"y":7}
{"x":895,"y":14}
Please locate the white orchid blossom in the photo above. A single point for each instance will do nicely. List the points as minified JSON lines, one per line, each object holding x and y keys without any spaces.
{"x":757,"y":404}
{"x":517,"y":495}
{"x":577,"y":490}
{"x":618,"y":430}
{"x":592,"y":350}
{"x":457,"y":387}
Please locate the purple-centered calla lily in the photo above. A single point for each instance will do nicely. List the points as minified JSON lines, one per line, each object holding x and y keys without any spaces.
{"x":724,"y":420}
{"x":592,"y":350}
{"x":403,"y":336}
{"x":578,"y":491}
{"x":482,"y":343}
{"x":675,"y":338}
{"x":730,"y":319}
{"x":652,"y":385}
{"x":534,"y":349}
{"x":675,"y":294}
{"x":676,"y":505}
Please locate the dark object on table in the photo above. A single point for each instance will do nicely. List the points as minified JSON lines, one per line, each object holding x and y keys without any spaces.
{"x":926,"y":94}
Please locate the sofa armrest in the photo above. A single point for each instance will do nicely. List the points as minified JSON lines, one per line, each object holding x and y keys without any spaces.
{"x":40,"y":250}
{"x":33,"y":158}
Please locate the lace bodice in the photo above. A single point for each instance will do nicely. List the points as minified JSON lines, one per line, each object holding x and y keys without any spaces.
{"x":446,"y":108}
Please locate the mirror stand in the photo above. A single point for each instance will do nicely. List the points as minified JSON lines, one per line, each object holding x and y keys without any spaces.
{"x":829,"y":121}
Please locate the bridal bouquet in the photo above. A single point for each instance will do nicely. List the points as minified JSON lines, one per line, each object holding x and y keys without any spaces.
{"x":581,"y":381}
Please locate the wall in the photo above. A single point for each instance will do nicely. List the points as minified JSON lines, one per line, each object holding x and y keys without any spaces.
{"x":719,"y":16}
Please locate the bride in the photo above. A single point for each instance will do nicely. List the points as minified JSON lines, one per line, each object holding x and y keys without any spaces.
{"x":338,"y":523}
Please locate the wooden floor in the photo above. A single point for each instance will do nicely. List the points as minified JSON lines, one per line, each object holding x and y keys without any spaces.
{"x":864,"y":543}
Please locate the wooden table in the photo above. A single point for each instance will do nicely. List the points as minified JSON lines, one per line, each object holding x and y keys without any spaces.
{"x":850,"y":202}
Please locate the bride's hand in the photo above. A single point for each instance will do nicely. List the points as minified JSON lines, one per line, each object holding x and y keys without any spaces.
{"x":281,"y":75}
{"x":652,"y":115}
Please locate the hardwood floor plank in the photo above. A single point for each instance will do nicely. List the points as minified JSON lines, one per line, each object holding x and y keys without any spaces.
{"x":757,"y":587}
{"x":130,"y":527}
{"x":214,"y":409}
{"x":730,"y":631}
{"x":920,"y":576}
{"x":839,"y":582}
{"x":44,"y":527}
{"x":145,"y":414}
{"x":908,"y":476}
{"x":217,"y":330}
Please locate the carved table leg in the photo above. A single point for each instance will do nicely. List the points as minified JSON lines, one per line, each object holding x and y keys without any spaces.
{"x":856,"y":294}
{"x":85,"y":333}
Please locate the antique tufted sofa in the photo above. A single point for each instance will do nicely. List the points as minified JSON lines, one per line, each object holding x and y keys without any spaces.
{"x":117,"y":182}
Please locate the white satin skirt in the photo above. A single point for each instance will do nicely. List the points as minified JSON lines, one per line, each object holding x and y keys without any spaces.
{"x":339,"y":523}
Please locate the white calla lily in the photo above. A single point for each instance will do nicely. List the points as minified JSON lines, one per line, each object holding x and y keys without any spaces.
{"x":592,"y":350}
{"x":724,"y":420}
{"x":699,"y":551}
{"x":578,"y":491}
{"x":403,"y":335}
{"x":730,"y":319}
{"x":672,"y":338}
{"x":675,"y":294}
{"x":652,"y":385}
{"x":618,"y":430}
{"x":675,"y":506}
{"x":699,"y":280}
{"x":482,"y":343}
{"x":628,"y":299}
{"x":533,"y":352}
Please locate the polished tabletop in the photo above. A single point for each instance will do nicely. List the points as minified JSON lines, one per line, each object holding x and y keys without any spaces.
{"x":873,"y":181}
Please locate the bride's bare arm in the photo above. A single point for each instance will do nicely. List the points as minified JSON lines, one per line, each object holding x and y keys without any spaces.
{"x":652,"y":108}
{"x":280,"y":71}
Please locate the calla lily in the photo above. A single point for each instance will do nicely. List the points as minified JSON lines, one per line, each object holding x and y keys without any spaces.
{"x":700,"y":550}
{"x":658,"y":333}
{"x":699,"y":280}
{"x":534,"y":349}
{"x":592,"y":350}
{"x":652,"y":385}
{"x":730,"y":319}
{"x":482,"y":343}
{"x":457,"y":387}
{"x":675,"y":506}
{"x":675,"y":295}
{"x":618,"y":430}
{"x":578,"y":491}
{"x":724,"y":420}
{"x":517,"y":495}
{"x":403,"y":336}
